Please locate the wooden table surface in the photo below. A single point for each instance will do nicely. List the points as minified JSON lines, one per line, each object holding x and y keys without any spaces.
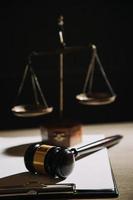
{"x":121,"y":155}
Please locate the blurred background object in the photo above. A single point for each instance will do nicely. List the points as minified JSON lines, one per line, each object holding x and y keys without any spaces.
{"x":32,"y":26}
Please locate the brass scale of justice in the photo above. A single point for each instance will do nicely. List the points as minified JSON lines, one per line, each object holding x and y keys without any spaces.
{"x":86,"y":97}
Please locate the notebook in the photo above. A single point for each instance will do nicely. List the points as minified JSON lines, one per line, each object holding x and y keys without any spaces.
{"x":92,"y":176}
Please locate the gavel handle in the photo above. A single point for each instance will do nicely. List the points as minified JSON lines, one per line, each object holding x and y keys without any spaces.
{"x":98,"y":145}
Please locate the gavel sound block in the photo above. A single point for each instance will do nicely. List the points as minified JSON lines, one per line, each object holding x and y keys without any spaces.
{"x":63,"y":133}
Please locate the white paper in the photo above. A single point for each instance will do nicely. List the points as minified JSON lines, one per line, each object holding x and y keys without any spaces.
{"x":90,"y":172}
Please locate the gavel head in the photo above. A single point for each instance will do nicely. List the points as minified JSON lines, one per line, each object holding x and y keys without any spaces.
{"x":51,"y":160}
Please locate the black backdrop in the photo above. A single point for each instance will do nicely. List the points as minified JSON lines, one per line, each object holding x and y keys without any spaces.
{"x":32,"y":26}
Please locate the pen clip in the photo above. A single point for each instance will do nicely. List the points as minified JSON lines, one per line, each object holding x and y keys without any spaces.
{"x":58,"y":188}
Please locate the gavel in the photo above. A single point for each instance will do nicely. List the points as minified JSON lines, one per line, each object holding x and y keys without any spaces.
{"x":59,"y":161}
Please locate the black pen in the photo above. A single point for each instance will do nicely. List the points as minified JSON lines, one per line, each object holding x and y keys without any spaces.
{"x":97,"y":145}
{"x":39,"y":189}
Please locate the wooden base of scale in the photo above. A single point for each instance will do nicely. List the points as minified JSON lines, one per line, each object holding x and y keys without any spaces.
{"x":62,"y":133}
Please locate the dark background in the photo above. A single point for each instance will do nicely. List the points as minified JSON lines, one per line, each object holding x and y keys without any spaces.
{"x":32,"y":26}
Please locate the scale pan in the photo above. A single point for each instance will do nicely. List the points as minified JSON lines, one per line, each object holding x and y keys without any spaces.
{"x":30,"y":110}
{"x":95,"y":98}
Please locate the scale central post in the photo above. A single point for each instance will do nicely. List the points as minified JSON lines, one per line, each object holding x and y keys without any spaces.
{"x":61,"y":63}
{"x":61,"y":87}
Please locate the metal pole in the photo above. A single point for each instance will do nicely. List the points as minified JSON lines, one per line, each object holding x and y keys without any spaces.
{"x":61,"y":104}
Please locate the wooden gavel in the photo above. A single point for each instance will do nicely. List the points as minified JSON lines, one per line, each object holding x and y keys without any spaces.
{"x":58,"y":161}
